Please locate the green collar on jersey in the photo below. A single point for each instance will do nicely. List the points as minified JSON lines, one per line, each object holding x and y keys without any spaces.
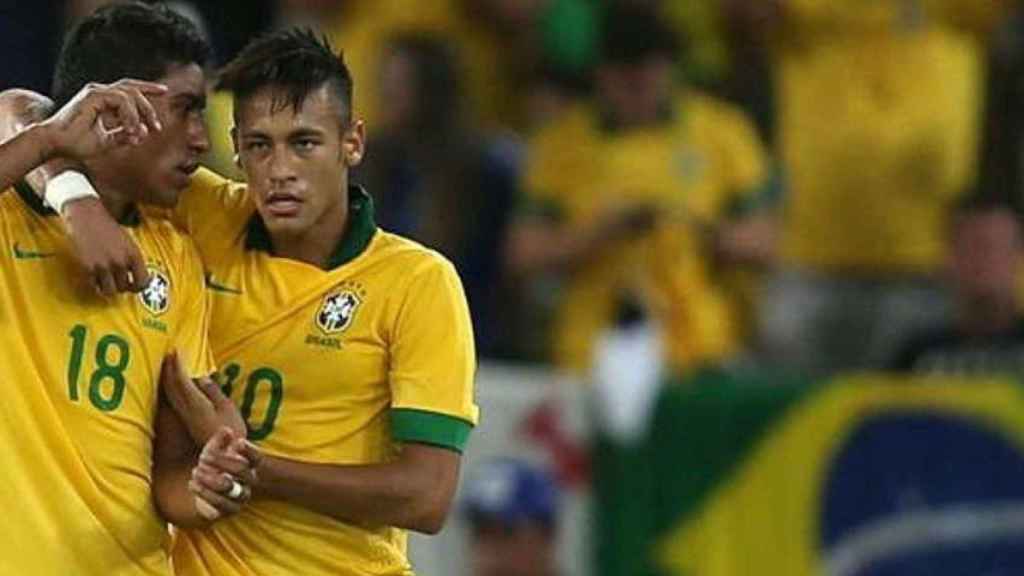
{"x":132,"y":217}
{"x":358,"y":233}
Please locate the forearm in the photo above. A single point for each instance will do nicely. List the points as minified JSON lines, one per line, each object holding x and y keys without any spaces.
{"x":21,"y":154}
{"x":22,"y":112}
{"x":173,"y":499}
{"x":406,"y":493}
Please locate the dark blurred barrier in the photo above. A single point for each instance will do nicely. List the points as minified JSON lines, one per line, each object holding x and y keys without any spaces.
{"x":866,"y":475}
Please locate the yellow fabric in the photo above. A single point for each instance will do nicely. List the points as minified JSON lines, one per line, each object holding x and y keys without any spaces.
{"x":76,"y":482}
{"x":879,"y":119}
{"x":693,"y":168}
{"x":777,"y":490}
{"x":407,"y":344}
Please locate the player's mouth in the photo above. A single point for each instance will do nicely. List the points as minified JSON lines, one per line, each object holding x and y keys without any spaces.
{"x":283,"y":204}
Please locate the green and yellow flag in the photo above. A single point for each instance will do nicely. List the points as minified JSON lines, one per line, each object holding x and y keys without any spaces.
{"x":863,"y":475}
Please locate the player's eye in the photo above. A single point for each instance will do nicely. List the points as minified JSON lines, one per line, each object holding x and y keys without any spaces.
{"x":256,"y":146}
{"x":306,"y":144}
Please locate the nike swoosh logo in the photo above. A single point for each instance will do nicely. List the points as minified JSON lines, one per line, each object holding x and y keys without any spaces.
{"x":31,"y":254}
{"x":213,"y":285}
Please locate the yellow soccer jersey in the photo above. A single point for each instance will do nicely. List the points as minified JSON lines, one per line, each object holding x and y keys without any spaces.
{"x":328,"y":366}
{"x":698,"y":167}
{"x":80,"y":381}
{"x":880,"y":109}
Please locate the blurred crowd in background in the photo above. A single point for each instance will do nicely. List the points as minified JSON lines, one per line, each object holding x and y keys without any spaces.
{"x":808,"y":185}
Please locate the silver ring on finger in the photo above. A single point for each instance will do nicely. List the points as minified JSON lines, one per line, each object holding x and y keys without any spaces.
{"x":236,"y":491}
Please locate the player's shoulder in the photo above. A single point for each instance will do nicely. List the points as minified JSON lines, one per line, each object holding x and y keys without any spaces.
{"x":409,"y":258}
{"x":167,"y":241}
{"x":214,"y":187}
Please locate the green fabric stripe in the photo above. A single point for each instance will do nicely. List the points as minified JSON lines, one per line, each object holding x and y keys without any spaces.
{"x":703,"y":428}
{"x":29,"y":197}
{"x":422,"y":427}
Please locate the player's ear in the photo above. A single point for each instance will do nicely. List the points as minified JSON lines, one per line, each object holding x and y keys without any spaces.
{"x":234,"y":143}
{"x":353,"y":143}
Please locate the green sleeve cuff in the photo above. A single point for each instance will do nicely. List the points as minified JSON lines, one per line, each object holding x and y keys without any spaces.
{"x":421,"y":427}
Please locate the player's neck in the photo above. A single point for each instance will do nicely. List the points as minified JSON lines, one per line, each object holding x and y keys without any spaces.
{"x":318,"y":243}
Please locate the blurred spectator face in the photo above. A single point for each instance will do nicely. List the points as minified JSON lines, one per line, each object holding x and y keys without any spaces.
{"x":418,"y":87}
{"x":636,"y":94}
{"x":398,"y":83}
{"x":503,"y":550}
{"x":638,"y":60}
{"x":295,"y":158}
{"x":511,"y":506}
{"x":985,"y":255}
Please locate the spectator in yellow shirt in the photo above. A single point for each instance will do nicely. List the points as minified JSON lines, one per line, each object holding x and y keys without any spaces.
{"x":639,"y":201}
{"x":878,"y":123}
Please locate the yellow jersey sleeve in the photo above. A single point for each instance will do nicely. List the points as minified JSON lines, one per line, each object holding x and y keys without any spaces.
{"x":432,"y":361}
{"x":214,"y":211}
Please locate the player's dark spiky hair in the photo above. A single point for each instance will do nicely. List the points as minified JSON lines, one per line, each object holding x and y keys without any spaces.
{"x":295,"y":62}
{"x":125,"y":40}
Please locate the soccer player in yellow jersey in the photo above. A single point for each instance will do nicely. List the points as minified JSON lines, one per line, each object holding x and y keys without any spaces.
{"x":85,"y":472}
{"x":348,"y":350}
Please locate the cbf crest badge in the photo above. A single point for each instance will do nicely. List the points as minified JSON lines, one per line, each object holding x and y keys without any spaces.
{"x":156,"y":297}
{"x":337,"y":311}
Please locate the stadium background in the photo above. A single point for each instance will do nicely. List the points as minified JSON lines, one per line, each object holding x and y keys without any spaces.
{"x":795,"y":449}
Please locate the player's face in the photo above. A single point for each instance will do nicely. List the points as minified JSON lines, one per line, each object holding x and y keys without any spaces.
{"x":297,"y":160}
{"x":158,"y":170}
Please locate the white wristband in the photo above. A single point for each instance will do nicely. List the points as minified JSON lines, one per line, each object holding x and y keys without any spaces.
{"x":68,"y":186}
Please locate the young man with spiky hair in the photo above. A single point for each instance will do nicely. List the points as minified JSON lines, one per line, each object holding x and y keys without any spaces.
{"x":84,"y":479}
{"x":348,"y":349}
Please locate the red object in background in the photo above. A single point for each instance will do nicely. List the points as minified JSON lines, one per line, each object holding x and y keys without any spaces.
{"x":569,"y":457}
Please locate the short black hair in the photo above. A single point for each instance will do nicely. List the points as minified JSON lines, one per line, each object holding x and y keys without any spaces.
{"x":296,"y":61}
{"x":632,"y":33}
{"x":126,"y":40}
